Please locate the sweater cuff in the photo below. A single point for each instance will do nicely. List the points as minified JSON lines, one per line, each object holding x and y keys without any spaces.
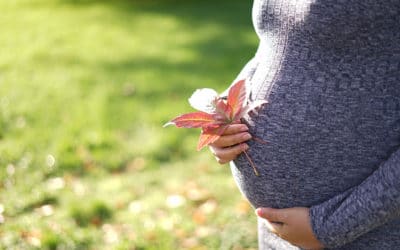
{"x":320,"y":215}
{"x":317,"y":221}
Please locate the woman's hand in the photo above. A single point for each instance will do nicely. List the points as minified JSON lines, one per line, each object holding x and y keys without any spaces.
{"x":292,"y":225}
{"x":231,"y":143}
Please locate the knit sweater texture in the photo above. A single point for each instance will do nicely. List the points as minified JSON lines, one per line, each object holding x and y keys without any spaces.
{"x":330,"y":71}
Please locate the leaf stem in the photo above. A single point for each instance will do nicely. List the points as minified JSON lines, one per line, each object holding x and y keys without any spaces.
{"x":259,"y":140}
{"x":251,"y":163}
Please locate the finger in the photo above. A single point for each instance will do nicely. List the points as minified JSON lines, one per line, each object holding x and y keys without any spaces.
{"x":282,"y":230}
{"x":276,"y":228}
{"x":235,"y":128}
{"x":230,"y":140}
{"x":273,"y":215}
{"x":225,"y":155}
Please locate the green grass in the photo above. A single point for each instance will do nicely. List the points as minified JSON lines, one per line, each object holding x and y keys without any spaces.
{"x":85,"y":87}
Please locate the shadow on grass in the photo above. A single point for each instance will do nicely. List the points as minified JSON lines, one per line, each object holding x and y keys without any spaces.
{"x":206,"y":45}
{"x":218,"y":54}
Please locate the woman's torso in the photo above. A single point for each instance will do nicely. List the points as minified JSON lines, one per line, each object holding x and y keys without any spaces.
{"x":330,"y":71}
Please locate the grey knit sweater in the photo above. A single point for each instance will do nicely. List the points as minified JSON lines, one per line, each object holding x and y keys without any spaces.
{"x":330,"y":70}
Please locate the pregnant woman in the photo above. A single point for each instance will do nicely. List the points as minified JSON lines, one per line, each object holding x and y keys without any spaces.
{"x":330,"y":172}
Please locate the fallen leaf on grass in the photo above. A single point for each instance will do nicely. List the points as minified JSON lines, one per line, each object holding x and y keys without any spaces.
{"x":202,"y":213}
{"x":208,"y":207}
{"x":33,"y":237}
{"x":190,"y":243}
{"x":203,"y":231}
{"x":199,"y":217}
{"x":193,"y":192}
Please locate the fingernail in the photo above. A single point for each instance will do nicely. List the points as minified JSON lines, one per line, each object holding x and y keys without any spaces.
{"x":246,"y":136}
{"x":259,"y":212}
{"x":245,"y":147}
{"x":244,"y":128}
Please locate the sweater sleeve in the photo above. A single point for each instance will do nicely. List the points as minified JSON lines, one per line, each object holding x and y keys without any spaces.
{"x":360,"y":209}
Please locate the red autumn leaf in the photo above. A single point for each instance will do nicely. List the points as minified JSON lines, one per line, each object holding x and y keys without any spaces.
{"x":193,"y":120}
{"x":222,"y":111}
{"x":221,"y":114}
{"x":236,"y":98}
{"x":226,"y":112}
{"x":206,"y":139}
{"x":210,"y":135}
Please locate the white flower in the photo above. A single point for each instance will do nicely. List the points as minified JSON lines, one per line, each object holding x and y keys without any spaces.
{"x":204,"y":100}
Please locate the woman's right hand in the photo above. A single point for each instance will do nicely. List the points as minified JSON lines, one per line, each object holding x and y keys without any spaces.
{"x":231,"y":143}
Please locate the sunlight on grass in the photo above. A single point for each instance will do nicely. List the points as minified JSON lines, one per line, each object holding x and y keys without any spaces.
{"x":85,"y":87}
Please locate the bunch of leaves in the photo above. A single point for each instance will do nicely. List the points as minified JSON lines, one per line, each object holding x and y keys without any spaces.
{"x":215,"y":113}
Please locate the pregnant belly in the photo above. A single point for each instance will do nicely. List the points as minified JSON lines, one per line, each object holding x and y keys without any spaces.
{"x":323,"y":138}
{"x":303,"y":163}
{"x":286,"y":179}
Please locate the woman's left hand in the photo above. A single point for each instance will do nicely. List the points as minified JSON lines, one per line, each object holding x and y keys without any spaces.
{"x":292,"y":225}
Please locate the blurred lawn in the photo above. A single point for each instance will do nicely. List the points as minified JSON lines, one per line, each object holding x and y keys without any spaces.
{"x":85,"y":87}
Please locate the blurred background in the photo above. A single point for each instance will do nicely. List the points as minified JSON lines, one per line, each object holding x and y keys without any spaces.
{"x":85,"y":87}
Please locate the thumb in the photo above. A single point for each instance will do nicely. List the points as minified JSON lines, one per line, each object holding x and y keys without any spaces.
{"x":271,"y":214}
